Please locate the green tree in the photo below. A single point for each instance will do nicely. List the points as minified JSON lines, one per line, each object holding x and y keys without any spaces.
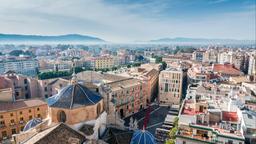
{"x":158,"y":59}
{"x":114,"y":68}
{"x":164,"y":65}
{"x":16,"y":52}
{"x":173,"y":131}
{"x":53,"y":74}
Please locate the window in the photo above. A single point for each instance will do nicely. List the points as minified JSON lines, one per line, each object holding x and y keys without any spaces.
{"x":21,"y":119}
{"x":62,"y":116}
{"x":29,"y":111}
{"x":21,"y":112}
{"x":45,"y":89}
{"x":25,"y":81}
{"x":12,"y":121}
{"x":46,"y":96}
{"x":4,"y":134}
{"x":2,"y":123}
{"x":38,"y":109}
{"x":11,"y":114}
{"x":1,"y":116}
{"x":13,"y":131}
{"x":98,"y":109}
{"x":166,"y":87}
{"x":38,"y":115}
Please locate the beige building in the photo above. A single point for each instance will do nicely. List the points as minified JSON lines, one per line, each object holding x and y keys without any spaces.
{"x":14,"y":115}
{"x":170,"y":86}
{"x":104,"y":62}
{"x":128,"y":95}
{"x":23,"y":87}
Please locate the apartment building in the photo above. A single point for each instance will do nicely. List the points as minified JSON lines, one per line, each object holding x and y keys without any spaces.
{"x":200,"y":56}
{"x":103,"y":62}
{"x":170,"y":86}
{"x":22,"y":66}
{"x":225,"y":57}
{"x":252,"y":64}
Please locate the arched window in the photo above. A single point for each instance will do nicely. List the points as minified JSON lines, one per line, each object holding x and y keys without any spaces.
{"x":61,"y":116}
{"x":98,"y":109}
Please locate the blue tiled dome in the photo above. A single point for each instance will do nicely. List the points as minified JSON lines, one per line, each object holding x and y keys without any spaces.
{"x":142,"y":137}
{"x":32,"y":123}
{"x":72,"y":96}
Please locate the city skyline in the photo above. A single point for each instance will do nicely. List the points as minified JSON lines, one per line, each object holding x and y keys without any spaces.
{"x":129,"y":21}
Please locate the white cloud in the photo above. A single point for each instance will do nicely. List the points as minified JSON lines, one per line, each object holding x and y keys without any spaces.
{"x":113,"y":22}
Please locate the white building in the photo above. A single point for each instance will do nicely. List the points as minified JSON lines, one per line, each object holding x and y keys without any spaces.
{"x":252,"y":65}
{"x":25,"y":67}
{"x":225,"y":57}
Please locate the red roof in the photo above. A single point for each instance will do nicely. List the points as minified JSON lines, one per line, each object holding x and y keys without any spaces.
{"x":226,"y":69}
{"x":229,"y":116}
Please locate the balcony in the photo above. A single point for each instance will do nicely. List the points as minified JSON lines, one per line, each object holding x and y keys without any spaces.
{"x":189,"y":135}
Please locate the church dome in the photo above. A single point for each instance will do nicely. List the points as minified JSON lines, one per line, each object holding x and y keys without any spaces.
{"x":32,"y":123}
{"x":142,"y":137}
{"x":73,"y":96}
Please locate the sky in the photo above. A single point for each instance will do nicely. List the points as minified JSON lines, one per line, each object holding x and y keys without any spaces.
{"x":131,"y":20}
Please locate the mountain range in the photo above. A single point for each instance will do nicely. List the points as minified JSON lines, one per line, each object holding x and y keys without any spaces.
{"x":77,"y":38}
{"x":200,"y":40}
{"x":41,"y":38}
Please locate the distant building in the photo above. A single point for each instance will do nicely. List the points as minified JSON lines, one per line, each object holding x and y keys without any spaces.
{"x":200,"y":56}
{"x":170,"y":86}
{"x":22,"y":66}
{"x":252,"y":65}
{"x":225,"y":57}
{"x":103,"y":62}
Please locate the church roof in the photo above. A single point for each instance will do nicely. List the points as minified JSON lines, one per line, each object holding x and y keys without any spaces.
{"x":117,"y":136}
{"x":60,"y":133}
{"x":73,"y":96}
{"x":32,"y":123}
{"x":142,"y":137}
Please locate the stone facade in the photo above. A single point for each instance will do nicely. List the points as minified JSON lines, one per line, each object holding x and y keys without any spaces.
{"x":13,"y":116}
{"x":76,"y":115}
